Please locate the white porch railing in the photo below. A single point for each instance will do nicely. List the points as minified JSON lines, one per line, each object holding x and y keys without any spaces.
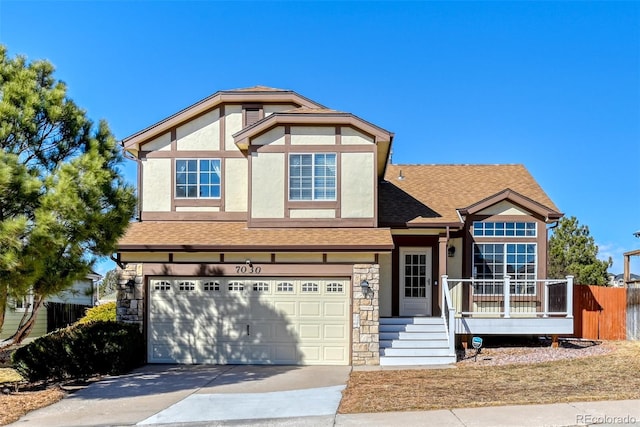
{"x":507,"y":298}
{"x":448,"y":315}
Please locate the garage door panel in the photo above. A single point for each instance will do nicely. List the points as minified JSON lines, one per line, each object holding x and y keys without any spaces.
{"x":286,"y":308}
{"x":334,"y":354}
{"x":336,"y":309}
{"x":310,"y":309}
{"x":310,"y":332}
{"x":291,"y":321}
{"x":335,"y":332}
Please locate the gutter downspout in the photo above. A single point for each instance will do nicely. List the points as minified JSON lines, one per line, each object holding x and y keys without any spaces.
{"x":130,"y":156}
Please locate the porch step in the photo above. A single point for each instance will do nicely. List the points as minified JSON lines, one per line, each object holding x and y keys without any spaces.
{"x":414,"y":341}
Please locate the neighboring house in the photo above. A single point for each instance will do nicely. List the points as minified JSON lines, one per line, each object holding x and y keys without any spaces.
{"x":58,"y":310}
{"x":275,"y":230}
{"x":617,"y":280}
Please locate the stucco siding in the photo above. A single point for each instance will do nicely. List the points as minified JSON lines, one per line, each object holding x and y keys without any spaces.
{"x":233,"y":124}
{"x":354,"y":257}
{"x":503,"y":208}
{"x":202,"y":133}
{"x":196,"y":257}
{"x":236,"y":182}
{"x":161,"y":143}
{"x":298,"y":257}
{"x":274,"y":136}
{"x":313,"y":135}
{"x":144,"y":257}
{"x":244,"y":256}
{"x":267,"y":185}
{"x":156,"y":185}
{"x":350,"y":136}
{"x":312,"y":213}
{"x":386,"y":275}
{"x":358,"y":194}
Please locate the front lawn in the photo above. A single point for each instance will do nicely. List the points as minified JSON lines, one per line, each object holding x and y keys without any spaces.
{"x":615,"y":376}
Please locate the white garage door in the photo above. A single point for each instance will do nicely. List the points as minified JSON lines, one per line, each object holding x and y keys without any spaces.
{"x":249,"y":320}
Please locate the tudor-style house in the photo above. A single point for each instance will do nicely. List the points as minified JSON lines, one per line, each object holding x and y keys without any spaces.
{"x":274,"y":230}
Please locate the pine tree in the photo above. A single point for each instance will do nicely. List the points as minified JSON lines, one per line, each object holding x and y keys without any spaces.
{"x":63,"y":202}
{"x":572,"y":251}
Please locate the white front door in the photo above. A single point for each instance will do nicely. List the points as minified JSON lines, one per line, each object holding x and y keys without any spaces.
{"x":415,"y":282}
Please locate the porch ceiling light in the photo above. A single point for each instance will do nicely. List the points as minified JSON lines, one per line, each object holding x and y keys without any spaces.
{"x":364,"y":285}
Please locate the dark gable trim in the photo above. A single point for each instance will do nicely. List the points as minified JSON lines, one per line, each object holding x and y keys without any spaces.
{"x":517,"y":199}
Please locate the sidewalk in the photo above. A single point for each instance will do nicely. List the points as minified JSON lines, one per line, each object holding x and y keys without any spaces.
{"x":604,"y":413}
{"x":608,"y":413}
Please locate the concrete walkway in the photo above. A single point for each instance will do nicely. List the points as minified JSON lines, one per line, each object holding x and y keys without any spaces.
{"x":206,"y":395}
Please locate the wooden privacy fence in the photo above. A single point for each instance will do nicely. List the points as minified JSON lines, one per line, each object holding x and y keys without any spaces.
{"x":633,"y":312}
{"x":600,"y":313}
{"x":60,"y":315}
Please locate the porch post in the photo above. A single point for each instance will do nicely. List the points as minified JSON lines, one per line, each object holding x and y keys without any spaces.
{"x":507,"y":298}
{"x":546,"y":299}
{"x":442,"y":267}
{"x":569,"y":297}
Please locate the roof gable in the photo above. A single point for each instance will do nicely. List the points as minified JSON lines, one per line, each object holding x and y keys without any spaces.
{"x":255,"y":94}
{"x":516,"y":198}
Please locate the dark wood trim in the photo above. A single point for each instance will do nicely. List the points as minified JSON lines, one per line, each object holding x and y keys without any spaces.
{"x":223,"y":129}
{"x":307,"y":149}
{"x":173,"y":186}
{"x":191,"y":154}
{"x":310,"y":247}
{"x":197,"y":202}
{"x":194,"y":216}
{"x":338,"y":135}
{"x":309,"y":204}
{"x":311,"y":222}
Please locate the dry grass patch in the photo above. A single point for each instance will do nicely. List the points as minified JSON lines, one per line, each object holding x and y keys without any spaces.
{"x":17,"y":404}
{"x":615,"y":376}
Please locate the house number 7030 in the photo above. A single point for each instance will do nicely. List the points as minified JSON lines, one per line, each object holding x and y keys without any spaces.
{"x":251,"y":269}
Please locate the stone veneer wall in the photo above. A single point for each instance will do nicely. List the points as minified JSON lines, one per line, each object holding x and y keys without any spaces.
{"x":130,"y":304}
{"x":366,"y":316}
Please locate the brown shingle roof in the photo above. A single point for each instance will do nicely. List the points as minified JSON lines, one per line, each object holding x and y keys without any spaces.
{"x":430,"y":194}
{"x":236,"y":236}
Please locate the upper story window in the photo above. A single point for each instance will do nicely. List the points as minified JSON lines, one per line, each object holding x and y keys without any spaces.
{"x":312,"y":176}
{"x":504,"y":229}
{"x":198,"y":178}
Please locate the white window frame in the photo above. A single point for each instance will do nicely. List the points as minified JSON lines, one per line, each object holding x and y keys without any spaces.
{"x":506,"y":229}
{"x":198,"y":174}
{"x":23,"y":304}
{"x":518,"y":284}
{"x":314,"y":189}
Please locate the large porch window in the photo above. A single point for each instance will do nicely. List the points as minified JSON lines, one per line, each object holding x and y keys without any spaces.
{"x":492,"y":261}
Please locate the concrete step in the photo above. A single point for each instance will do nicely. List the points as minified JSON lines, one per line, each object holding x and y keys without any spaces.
{"x":411,"y":328}
{"x":413,"y":336}
{"x":414,"y":352}
{"x":439,"y":343}
{"x":411,"y":320}
{"x":416,"y":361}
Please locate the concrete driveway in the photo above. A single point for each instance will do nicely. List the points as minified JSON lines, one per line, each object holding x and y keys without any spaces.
{"x":201,"y":394}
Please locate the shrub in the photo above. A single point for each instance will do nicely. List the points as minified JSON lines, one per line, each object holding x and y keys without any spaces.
{"x":102,"y":313}
{"x":81,"y":351}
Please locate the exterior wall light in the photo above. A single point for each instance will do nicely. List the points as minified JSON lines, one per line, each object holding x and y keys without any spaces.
{"x":451,"y":251}
{"x":364,"y":285}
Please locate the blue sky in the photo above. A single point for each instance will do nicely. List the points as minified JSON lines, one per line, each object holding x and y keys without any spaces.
{"x":552,"y":85}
